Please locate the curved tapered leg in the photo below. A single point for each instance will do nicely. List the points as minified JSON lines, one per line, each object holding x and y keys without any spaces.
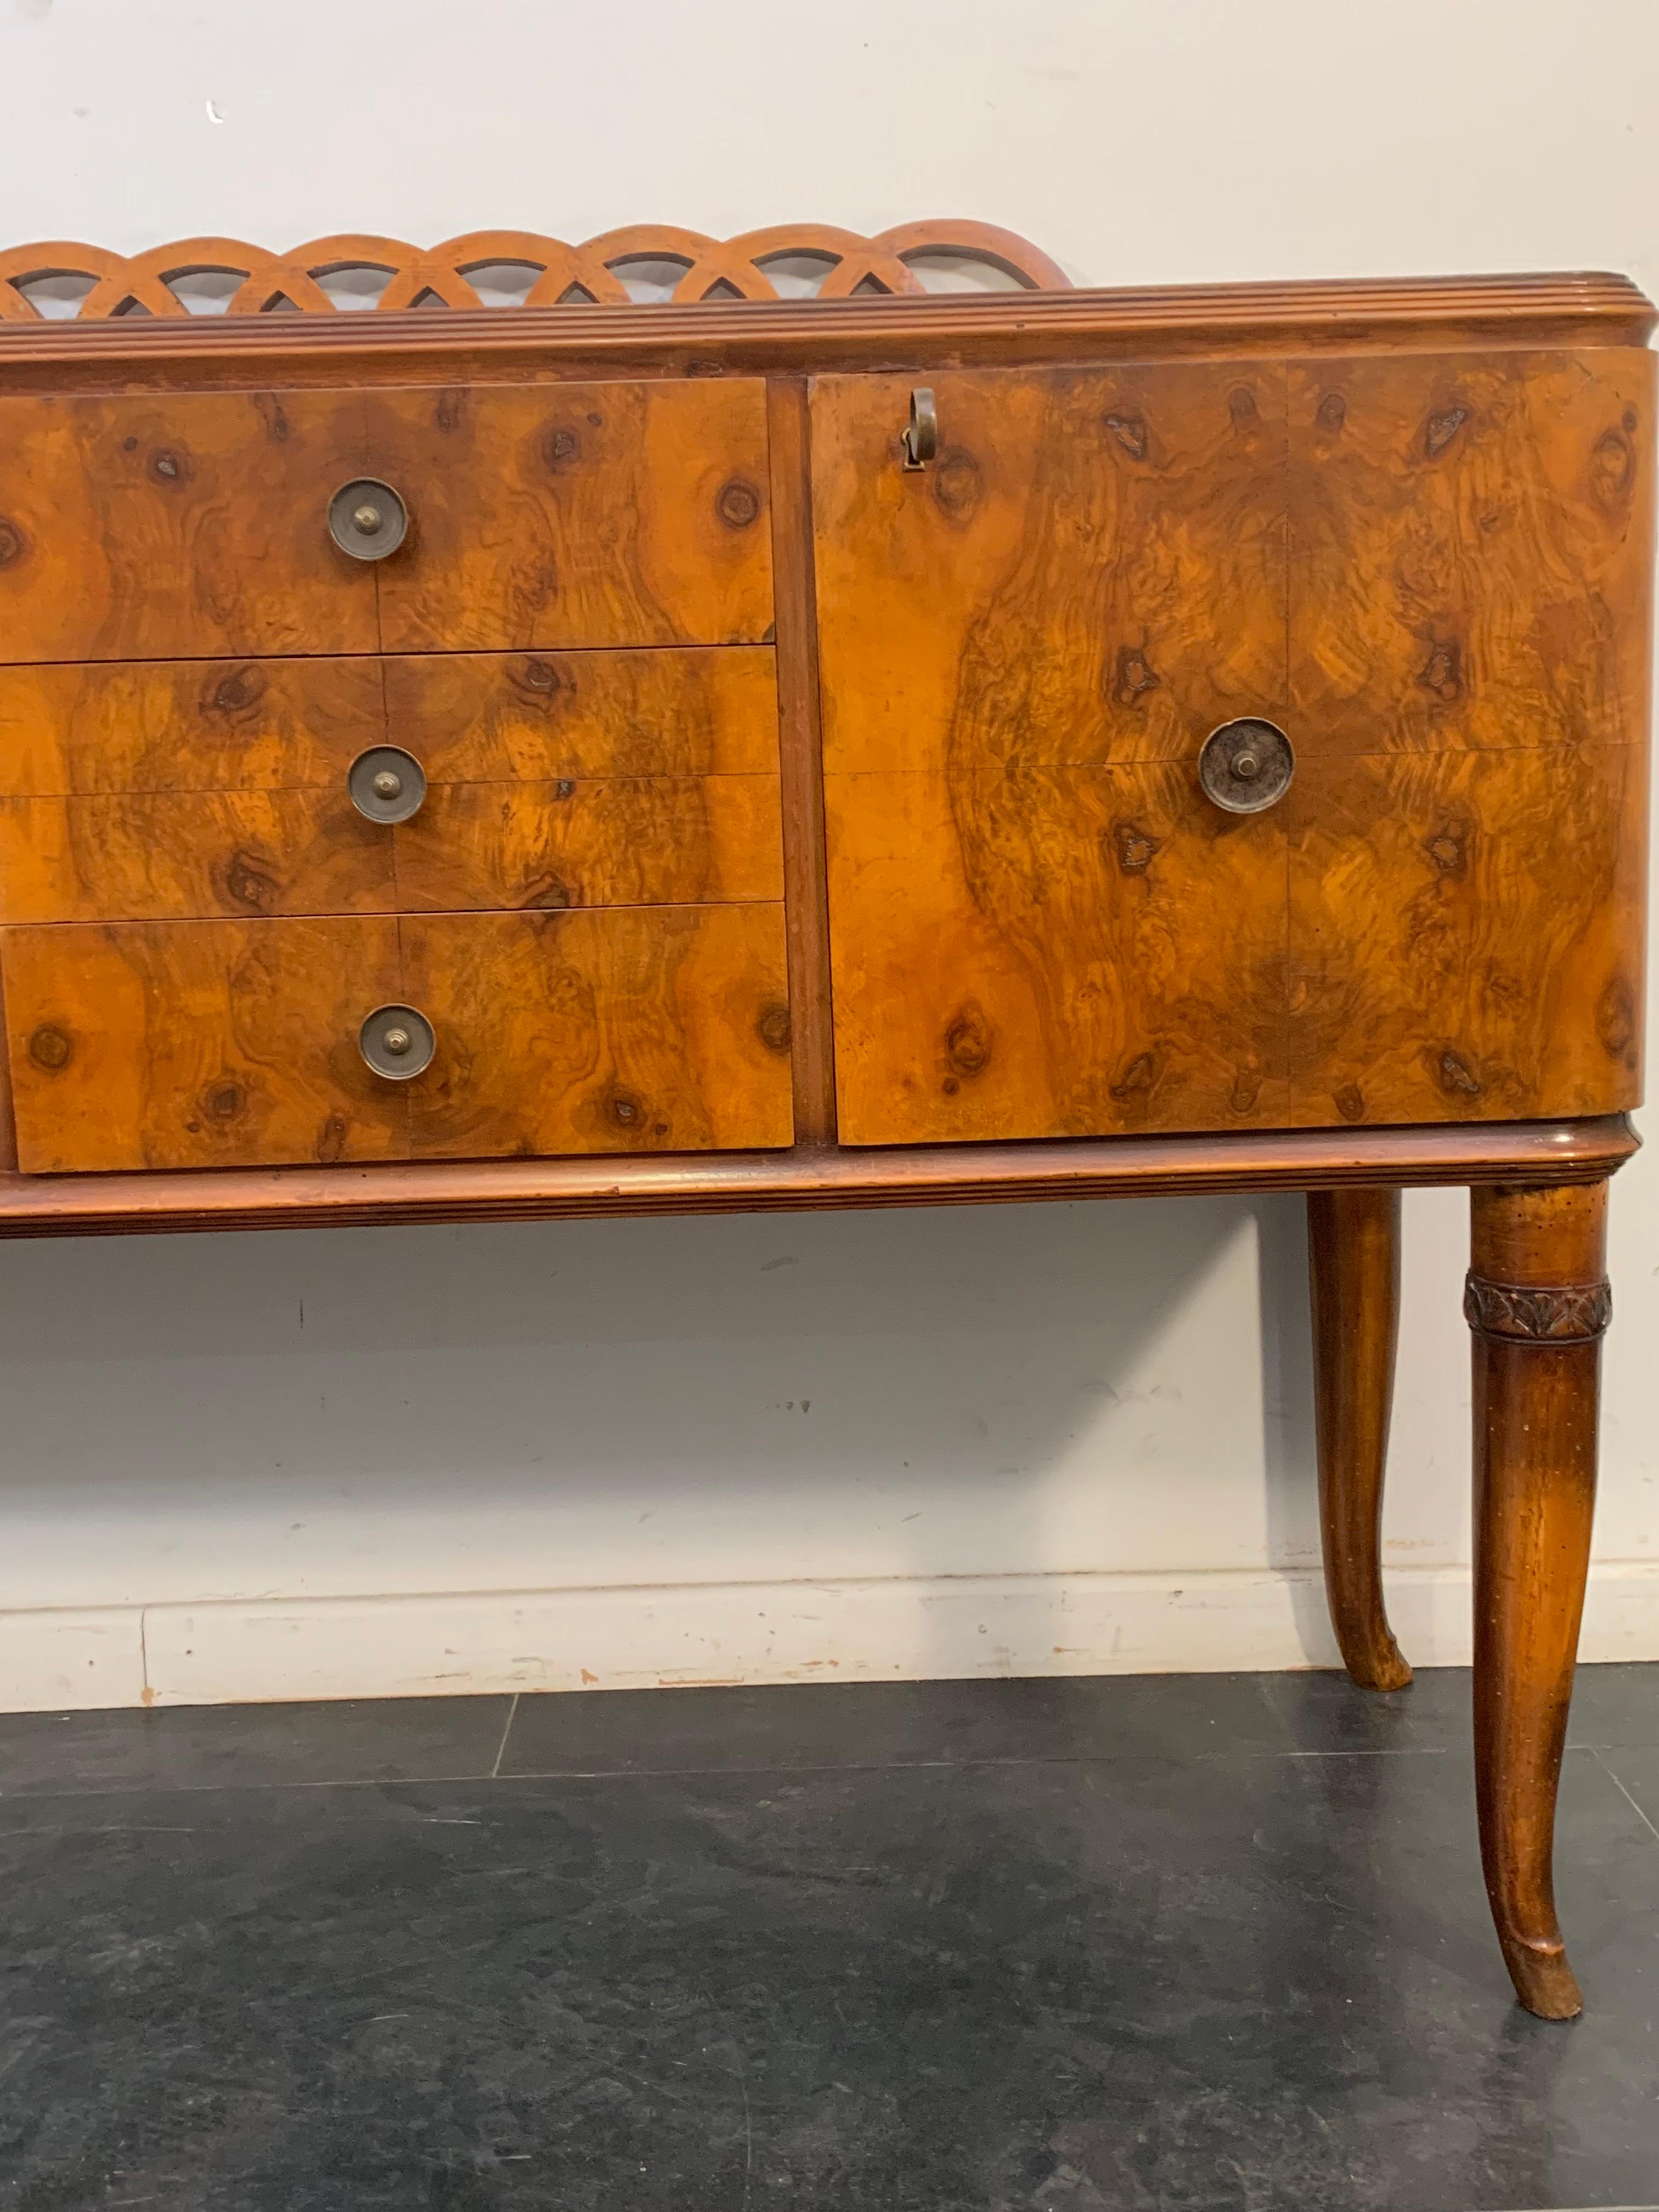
{"x":1537,"y":1302}
{"x":1353,"y":1267}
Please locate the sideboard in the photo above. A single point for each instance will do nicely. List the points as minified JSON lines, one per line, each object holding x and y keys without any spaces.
{"x":883,"y":747}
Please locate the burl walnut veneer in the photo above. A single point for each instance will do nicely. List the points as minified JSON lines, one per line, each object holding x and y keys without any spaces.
{"x":871,"y":749}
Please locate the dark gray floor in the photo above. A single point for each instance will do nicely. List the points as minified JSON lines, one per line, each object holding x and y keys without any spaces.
{"x":1178,"y":1942}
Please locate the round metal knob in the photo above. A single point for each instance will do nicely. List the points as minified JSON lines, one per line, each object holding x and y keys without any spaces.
{"x":1246,"y":765}
{"x":366,"y":519}
{"x":396,"y":1042}
{"x":387,"y":784}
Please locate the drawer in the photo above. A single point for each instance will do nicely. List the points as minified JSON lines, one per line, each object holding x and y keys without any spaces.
{"x":239,"y":1043}
{"x":162,"y":790}
{"x":546,"y":515}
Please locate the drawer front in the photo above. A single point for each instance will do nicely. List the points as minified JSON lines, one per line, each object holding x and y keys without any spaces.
{"x":237,"y":1043}
{"x":1039,"y":927}
{"x":199,"y":1044}
{"x":152,"y":791}
{"x":187,"y":525}
{"x":548,"y":515}
{"x":601,"y":514}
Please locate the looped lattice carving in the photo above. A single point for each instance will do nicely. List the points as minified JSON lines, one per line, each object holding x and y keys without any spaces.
{"x":159,"y":282}
{"x":1572,"y":1314}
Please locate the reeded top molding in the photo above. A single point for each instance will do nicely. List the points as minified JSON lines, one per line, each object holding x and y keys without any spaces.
{"x":725,"y":312}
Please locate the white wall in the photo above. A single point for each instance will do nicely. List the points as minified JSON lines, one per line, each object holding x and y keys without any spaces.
{"x":1021,"y":1438}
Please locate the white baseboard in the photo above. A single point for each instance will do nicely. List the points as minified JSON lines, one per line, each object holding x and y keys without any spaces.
{"x":452,"y":1644}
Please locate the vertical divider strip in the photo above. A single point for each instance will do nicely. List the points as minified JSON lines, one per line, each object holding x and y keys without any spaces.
{"x":807,"y":913}
{"x":8,"y":1110}
{"x":1287,"y":543}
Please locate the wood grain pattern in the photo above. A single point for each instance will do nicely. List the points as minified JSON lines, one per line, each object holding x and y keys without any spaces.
{"x":662,"y":1029}
{"x":160,"y":790}
{"x":690,"y":711}
{"x":1106,"y":548}
{"x":1353,"y":1271}
{"x":1535,"y":1409}
{"x":131,"y":528}
{"x":604,"y":515}
{"x":182,"y":856}
{"x":70,"y":730}
{"x":228,"y":1044}
{"x":199,"y":1044}
{"x":1467,"y":933}
{"x":1093,"y":570}
{"x":1039,"y":927}
{"x":1473,"y":550}
{"x":617,"y":841}
{"x":1085,"y":950}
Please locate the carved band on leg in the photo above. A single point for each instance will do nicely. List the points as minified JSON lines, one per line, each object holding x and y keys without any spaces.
{"x":1353,"y":1269}
{"x":1537,"y":1302}
{"x":1555,"y":1313}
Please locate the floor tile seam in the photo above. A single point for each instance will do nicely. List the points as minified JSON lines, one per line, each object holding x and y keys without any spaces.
{"x":1635,"y":1807}
{"x":483,"y":1778}
{"x":506,"y":1730}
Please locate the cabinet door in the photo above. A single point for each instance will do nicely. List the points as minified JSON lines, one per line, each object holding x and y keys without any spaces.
{"x":1039,"y":925}
{"x":1471,"y":581}
{"x":577,"y":514}
{"x":183,"y":524}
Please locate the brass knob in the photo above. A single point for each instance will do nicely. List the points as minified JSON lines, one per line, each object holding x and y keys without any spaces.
{"x":1246,"y":765}
{"x":366,"y":519}
{"x":387,"y":784}
{"x":397,"y":1043}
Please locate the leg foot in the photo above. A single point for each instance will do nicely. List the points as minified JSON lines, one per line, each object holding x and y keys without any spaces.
{"x":1353,"y":1262}
{"x":1537,"y":1302}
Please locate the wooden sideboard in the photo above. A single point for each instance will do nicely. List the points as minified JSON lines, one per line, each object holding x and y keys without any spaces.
{"x":881,"y":748}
